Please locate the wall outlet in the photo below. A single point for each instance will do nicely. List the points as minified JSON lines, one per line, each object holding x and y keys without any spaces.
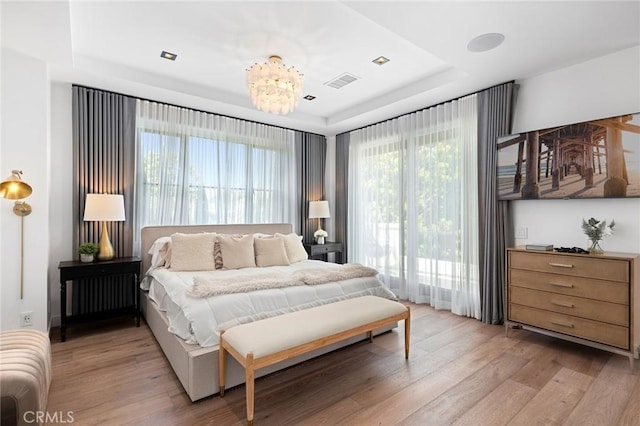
{"x":26,"y":319}
{"x":522,"y":233}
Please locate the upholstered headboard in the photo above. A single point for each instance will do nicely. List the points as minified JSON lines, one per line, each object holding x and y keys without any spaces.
{"x":152,"y":233}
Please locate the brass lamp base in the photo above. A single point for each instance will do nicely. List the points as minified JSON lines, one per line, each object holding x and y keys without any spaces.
{"x":106,"y":249}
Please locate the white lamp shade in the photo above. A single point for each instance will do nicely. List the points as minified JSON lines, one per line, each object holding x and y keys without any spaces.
{"x":104,"y":207}
{"x":319,"y":209}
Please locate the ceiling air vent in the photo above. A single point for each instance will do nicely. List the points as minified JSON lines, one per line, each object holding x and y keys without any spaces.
{"x":341,"y":81}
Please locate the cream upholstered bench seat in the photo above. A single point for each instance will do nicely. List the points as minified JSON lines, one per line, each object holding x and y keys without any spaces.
{"x":25,"y":374}
{"x":262,"y":343}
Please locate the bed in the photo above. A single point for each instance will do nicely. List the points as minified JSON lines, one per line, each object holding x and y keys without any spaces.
{"x":186,"y":326}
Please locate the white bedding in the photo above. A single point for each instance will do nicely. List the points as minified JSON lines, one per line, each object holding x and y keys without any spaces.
{"x":199,"y":320}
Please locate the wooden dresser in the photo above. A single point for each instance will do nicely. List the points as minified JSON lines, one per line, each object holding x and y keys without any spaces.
{"x":593,"y":300}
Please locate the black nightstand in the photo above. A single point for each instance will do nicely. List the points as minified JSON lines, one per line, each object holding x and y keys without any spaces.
{"x":76,"y":270}
{"x":320,"y":251}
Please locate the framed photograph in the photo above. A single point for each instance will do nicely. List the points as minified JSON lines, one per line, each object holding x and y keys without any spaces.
{"x":593,"y":159}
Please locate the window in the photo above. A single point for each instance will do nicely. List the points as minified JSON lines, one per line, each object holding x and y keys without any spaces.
{"x":413,"y":204}
{"x":197,"y":168}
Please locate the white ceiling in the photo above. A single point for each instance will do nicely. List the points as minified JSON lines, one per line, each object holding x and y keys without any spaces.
{"x":116,"y":45}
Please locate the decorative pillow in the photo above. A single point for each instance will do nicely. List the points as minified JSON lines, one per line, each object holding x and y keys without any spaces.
{"x":159,"y":251}
{"x":237,"y":252}
{"x":293,"y":246}
{"x":217,"y":255}
{"x":192,"y":252}
{"x":270,"y":252}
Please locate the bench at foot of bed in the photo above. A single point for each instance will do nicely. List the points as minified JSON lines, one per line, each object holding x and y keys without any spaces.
{"x":262,"y":343}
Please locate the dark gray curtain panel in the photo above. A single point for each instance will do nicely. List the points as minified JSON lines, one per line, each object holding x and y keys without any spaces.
{"x":311,"y":151}
{"x":103,"y":161}
{"x":495,"y":107}
{"x":340,"y":215}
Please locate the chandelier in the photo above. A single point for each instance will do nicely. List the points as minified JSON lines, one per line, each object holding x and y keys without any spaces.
{"x":273,"y":87}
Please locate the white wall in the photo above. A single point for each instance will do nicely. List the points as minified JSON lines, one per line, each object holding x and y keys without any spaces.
{"x":60,"y":192}
{"x":25,"y":146}
{"x":604,"y":87}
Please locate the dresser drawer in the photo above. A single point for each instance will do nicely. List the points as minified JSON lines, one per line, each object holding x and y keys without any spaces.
{"x":608,"y":291}
{"x":611,"y":313}
{"x":581,"y":266}
{"x":596,"y":331}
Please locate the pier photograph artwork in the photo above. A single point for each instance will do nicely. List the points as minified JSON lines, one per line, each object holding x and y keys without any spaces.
{"x":593,"y":159}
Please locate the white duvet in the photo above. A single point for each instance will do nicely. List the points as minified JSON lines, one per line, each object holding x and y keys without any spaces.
{"x":199,"y":320}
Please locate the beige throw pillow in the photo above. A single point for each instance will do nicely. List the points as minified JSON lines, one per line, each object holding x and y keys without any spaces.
{"x":237,"y":252}
{"x":293,"y":246}
{"x":270,"y":252}
{"x":192,"y":252}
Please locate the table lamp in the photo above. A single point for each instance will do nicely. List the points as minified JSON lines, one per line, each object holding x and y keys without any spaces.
{"x":319,"y":210}
{"x":104,"y":208}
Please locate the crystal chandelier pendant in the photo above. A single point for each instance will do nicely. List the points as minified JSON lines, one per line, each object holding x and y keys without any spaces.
{"x":273,"y":87}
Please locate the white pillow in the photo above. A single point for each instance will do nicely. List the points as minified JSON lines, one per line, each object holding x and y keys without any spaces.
{"x":159,"y":251}
{"x":192,"y":252}
{"x":237,"y":252}
{"x":293,"y":246}
{"x":270,"y":252}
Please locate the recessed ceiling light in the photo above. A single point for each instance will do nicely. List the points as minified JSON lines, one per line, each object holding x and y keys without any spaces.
{"x":309,"y":97}
{"x":168,"y":55}
{"x":485,"y":42}
{"x":380,"y":60}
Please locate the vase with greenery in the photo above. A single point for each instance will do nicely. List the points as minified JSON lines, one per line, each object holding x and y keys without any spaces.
{"x":88,"y":251}
{"x":596,"y":230}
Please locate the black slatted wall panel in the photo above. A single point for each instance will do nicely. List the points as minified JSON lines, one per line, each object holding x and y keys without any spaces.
{"x":104,"y":158}
{"x":311,"y":153}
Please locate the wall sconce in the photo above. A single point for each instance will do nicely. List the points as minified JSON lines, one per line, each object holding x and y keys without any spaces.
{"x":13,"y":188}
{"x":104,"y":208}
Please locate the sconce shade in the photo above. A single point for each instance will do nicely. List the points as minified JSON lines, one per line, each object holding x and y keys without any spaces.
{"x":104,"y":207}
{"x":319,"y":209}
{"x":13,"y":188}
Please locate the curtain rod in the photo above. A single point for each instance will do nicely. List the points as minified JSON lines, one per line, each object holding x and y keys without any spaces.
{"x":195,"y":109}
{"x":432,"y":106}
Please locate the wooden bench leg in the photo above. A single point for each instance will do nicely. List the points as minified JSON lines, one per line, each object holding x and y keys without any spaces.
{"x":407,"y":333}
{"x":249,"y":376}
{"x":221,"y":365}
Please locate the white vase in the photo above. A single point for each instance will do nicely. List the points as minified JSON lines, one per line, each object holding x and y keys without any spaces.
{"x":320,"y":240}
{"x":86,"y":258}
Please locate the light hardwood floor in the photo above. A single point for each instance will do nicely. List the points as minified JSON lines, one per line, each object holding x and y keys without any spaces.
{"x":460,"y":372}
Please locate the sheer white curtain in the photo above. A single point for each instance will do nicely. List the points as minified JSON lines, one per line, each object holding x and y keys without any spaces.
{"x":196,"y":168}
{"x":413,"y":206}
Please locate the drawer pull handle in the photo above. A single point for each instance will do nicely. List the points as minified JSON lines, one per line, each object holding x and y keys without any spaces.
{"x":561,"y":265}
{"x":563,"y":304}
{"x":562,"y":285}
{"x":562,"y":324}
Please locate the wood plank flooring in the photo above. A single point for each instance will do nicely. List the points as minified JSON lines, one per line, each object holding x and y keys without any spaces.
{"x":460,"y":372}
